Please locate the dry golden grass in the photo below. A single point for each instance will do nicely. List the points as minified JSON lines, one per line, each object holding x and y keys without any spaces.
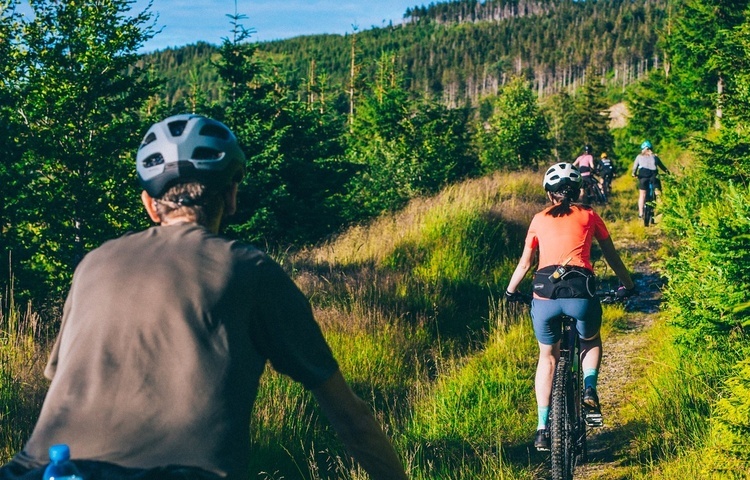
{"x":509,"y":193}
{"x":24,"y":347}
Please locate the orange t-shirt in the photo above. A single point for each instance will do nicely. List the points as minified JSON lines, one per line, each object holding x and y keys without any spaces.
{"x":569,"y":236}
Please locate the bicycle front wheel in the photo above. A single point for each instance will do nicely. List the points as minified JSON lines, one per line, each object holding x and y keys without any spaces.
{"x":562,"y":448}
{"x":600,"y":196}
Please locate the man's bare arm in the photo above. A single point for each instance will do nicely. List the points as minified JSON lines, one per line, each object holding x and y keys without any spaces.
{"x":358,"y":429}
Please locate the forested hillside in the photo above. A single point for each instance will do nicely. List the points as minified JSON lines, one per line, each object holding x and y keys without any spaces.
{"x":461,"y":51}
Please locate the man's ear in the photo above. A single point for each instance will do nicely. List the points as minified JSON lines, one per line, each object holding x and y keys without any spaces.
{"x":150,"y":205}
{"x":230,"y":199}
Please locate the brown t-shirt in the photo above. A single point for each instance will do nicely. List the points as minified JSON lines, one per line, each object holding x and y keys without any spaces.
{"x":165,"y":334}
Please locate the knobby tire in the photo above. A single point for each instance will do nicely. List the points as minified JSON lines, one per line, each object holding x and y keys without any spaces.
{"x":600,"y":196}
{"x":647,"y":214}
{"x":562,"y":447}
{"x":648,"y":208}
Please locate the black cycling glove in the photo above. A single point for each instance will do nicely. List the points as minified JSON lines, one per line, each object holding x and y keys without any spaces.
{"x":517,"y":297}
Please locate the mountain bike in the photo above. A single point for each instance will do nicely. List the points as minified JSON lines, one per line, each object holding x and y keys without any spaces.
{"x":568,"y":420}
{"x":607,"y":184}
{"x":648,"y":207}
{"x":593,"y":192}
{"x":567,"y":424}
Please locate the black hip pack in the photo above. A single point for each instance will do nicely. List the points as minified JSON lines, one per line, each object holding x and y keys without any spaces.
{"x":557,"y":281}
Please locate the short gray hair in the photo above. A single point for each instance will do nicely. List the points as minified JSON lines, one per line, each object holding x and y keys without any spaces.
{"x":194,"y":200}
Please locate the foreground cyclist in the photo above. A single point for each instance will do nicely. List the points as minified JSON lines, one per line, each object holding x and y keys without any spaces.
{"x":563,"y":233}
{"x":166,"y":332}
{"x":646,"y":167}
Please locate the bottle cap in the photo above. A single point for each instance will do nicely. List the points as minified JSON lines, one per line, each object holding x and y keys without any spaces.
{"x":59,"y":453}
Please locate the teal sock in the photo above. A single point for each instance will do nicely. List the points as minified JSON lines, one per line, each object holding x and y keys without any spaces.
{"x":589,"y":377}
{"x":542,"y":415}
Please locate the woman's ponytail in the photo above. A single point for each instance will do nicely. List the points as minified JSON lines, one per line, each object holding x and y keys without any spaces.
{"x":563,"y":201}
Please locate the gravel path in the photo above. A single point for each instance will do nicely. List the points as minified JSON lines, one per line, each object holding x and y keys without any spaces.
{"x":620,"y":367}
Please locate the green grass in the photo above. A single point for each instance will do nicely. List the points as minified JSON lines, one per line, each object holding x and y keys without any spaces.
{"x":409,"y":304}
{"x":24,"y":342}
{"x":670,"y":407}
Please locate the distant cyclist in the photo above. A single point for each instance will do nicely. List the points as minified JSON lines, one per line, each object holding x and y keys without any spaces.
{"x":646,"y":167}
{"x":586,"y":165}
{"x":606,"y":171}
{"x":562,"y":234}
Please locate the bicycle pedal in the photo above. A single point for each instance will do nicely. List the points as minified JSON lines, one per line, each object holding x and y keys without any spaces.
{"x":594,"y":419}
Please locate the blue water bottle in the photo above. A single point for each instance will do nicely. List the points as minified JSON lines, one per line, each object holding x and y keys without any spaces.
{"x":60,"y":466}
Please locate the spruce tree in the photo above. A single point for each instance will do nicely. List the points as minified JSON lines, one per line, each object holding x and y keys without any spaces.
{"x":78,"y":96}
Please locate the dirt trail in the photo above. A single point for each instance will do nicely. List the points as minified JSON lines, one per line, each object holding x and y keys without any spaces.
{"x":620,"y":367}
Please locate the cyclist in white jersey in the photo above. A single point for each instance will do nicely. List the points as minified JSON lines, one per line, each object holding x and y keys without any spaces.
{"x":646,"y":167}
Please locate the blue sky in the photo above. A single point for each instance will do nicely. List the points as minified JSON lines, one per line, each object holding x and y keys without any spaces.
{"x":189,"y":21}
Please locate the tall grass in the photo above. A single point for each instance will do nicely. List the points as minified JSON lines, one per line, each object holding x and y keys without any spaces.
{"x":670,"y":408}
{"x":409,"y":304}
{"x":24,"y":341}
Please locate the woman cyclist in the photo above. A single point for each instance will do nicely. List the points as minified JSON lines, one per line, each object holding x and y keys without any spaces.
{"x":563,"y":233}
{"x":586,"y":165}
{"x":646,"y":167}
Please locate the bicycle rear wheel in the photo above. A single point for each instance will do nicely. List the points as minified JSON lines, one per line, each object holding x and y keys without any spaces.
{"x":648,"y":208}
{"x":648,"y":214}
{"x":562,"y":447}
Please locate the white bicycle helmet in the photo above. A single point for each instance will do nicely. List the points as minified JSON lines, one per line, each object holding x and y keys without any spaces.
{"x":561,"y":176}
{"x":185,"y":148}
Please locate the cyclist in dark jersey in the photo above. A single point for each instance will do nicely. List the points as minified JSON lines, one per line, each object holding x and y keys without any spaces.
{"x":166,"y":332}
{"x":562,"y":234}
{"x":605,"y":170}
{"x":646,"y":167}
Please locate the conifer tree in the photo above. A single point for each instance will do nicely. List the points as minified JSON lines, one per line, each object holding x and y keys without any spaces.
{"x":562,"y":126}
{"x":405,"y":147}
{"x":296,"y":171}
{"x":592,"y":116}
{"x":10,"y":151}
{"x":517,"y":133}
{"x":79,"y":102}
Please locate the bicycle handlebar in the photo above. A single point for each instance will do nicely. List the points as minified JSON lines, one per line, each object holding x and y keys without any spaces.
{"x":606,"y":296}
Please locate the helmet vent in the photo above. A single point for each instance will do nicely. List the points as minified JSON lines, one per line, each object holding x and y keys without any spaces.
{"x":205,"y":153}
{"x":176,"y":128}
{"x":210,"y":130}
{"x":153,"y":160}
{"x":151,"y":137}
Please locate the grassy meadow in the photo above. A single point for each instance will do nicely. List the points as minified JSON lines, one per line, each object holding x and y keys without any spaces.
{"x":411,"y":305}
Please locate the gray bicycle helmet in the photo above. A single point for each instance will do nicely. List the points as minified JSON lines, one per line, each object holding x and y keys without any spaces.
{"x":185,"y":148}
{"x":562,"y":176}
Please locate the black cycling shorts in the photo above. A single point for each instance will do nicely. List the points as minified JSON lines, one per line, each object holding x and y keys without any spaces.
{"x":643,"y":183}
